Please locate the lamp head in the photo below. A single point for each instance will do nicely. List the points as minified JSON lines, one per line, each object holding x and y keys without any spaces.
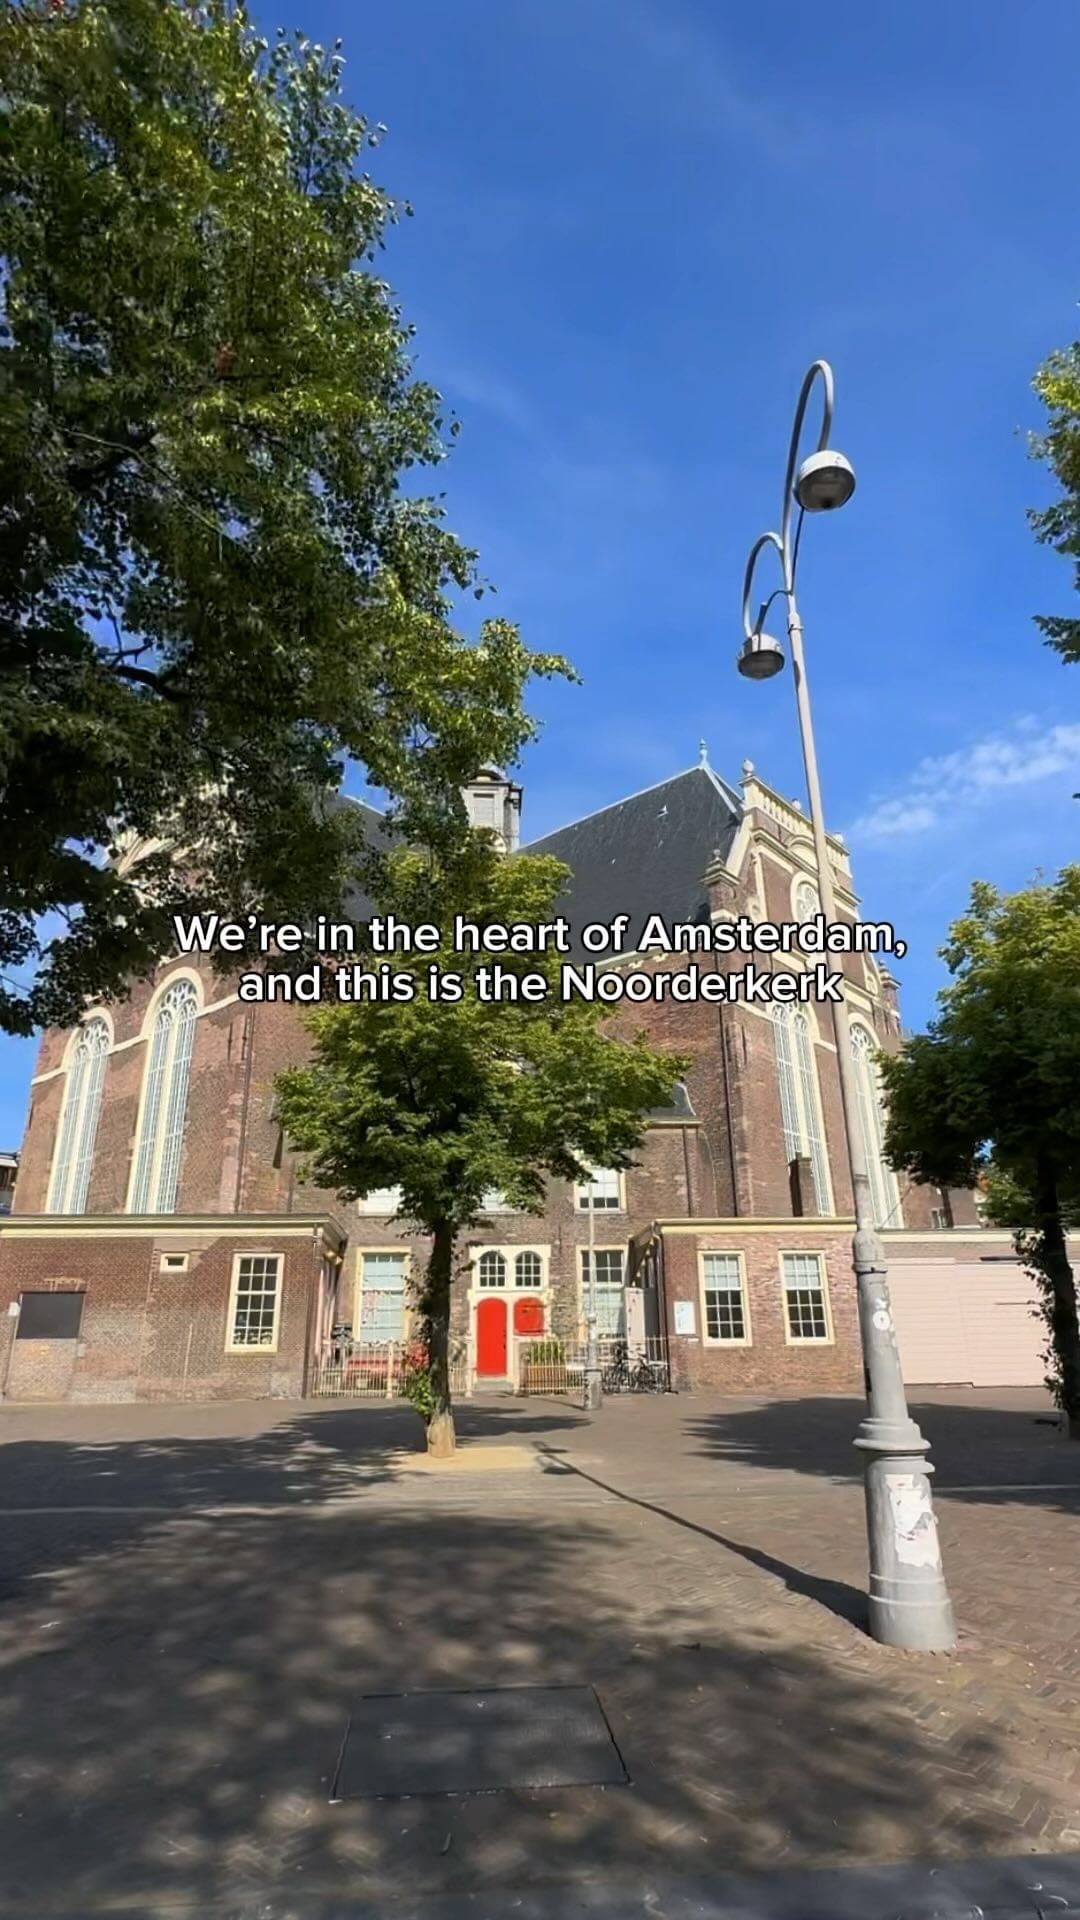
{"x":824,"y":481}
{"x":761,"y":657}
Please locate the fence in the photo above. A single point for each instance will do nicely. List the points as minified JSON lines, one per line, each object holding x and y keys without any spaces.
{"x":378,"y":1372}
{"x":559,"y":1366}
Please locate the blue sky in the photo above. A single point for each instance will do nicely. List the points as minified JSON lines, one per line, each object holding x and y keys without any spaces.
{"x":636,"y":223}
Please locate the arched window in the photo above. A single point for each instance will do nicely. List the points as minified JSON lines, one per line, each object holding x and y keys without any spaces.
{"x":79,"y":1120}
{"x":491,"y":1271}
{"x":883,"y":1188}
{"x":807,"y":903}
{"x":164,"y":1102}
{"x":800,"y":1105}
{"x":528,"y":1270}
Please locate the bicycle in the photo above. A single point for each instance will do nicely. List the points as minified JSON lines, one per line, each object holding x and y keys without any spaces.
{"x":622,"y":1375}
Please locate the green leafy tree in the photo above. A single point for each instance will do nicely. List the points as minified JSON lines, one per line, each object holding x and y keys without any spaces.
{"x":995,"y":1083}
{"x":451,"y":1099}
{"x":214,"y":589}
{"x":1057,"y":384}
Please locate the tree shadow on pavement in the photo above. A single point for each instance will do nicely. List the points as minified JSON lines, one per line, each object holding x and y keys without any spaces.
{"x":842,"y":1599}
{"x":979,"y":1453}
{"x":64,"y":1491}
{"x":173,"y":1700}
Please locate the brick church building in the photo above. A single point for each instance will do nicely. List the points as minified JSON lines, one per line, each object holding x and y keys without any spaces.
{"x":162,"y":1245}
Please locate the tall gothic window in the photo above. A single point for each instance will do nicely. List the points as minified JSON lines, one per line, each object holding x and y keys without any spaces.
{"x":883,"y":1188}
{"x":800,"y":1107}
{"x":164,"y":1102}
{"x":79,"y":1120}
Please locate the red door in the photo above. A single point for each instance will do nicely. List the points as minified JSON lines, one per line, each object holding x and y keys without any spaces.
{"x":491,"y":1338}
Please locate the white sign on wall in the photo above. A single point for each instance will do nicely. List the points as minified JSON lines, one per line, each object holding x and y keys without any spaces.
{"x":684,"y":1317}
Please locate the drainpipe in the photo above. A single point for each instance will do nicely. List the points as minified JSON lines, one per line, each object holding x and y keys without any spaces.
{"x":249,"y":1050}
{"x":686,"y":1170}
{"x":727,"y":1097}
{"x":318,"y":1254}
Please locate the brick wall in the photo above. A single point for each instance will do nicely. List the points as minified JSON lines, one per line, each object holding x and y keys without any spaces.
{"x":672,"y":1177}
{"x":770,"y":1363}
{"x":234,"y":1158}
{"x":148,"y":1334}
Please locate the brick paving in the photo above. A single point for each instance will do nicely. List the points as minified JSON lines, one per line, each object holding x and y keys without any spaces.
{"x":191,"y":1597}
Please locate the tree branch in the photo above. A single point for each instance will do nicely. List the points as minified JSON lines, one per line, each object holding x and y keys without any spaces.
{"x":81,"y":474}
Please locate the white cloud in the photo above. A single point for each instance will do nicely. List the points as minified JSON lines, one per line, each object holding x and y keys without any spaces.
{"x":969,"y":778}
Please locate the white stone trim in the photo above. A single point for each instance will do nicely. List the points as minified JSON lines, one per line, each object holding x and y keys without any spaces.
{"x":271,"y":1346}
{"x":724,"y":1253}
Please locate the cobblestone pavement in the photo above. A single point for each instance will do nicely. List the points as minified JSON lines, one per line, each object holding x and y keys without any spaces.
{"x":191,"y":1599}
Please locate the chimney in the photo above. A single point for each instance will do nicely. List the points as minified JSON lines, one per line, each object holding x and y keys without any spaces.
{"x":493,"y":801}
{"x":803,"y":1195}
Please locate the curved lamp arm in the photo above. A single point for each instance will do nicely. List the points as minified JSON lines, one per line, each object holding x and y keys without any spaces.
{"x":763,"y":540}
{"x":822,"y":368}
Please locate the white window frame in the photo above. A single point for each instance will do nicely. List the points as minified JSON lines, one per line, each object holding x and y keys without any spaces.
{"x":491,"y":1286}
{"x":884,"y":1189}
{"x":493,"y":1200}
{"x":384,"y":1201}
{"x":718,"y":1340}
{"x":799,"y":1086}
{"x":584,"y":1190}
{"x":509,"y":1254}
{"x":246,"y":1347}
{"x":155,"y":1162}
{"x":396,"y":1253}
{"x":173,"y":1263}
{"x":76,"y":1135}
{"x":802,"y":1339}
{"x":532,"y":1253}
{"x":583,"y":1291}
{"x":801,"y":881}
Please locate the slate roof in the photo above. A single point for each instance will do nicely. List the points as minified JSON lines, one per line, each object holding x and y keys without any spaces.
{"x":358,"y":904}
{"x":643,"y":855}
{"x":646,"y":854}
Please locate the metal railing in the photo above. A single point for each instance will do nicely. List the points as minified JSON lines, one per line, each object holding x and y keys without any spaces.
{"x":378,"y":1371}
{"x":558,"y":1366}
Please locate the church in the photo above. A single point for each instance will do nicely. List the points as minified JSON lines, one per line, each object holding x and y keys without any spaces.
{"x":163,"y":1246}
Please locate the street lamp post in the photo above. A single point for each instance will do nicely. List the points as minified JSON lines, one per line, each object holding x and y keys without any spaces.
{"x":909,"y":1602}
{"x":594,"y":1396}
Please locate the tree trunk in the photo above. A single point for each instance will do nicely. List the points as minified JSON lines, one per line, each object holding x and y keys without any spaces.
{"x":1064,"y":1327}
{"x":440,"y":1426}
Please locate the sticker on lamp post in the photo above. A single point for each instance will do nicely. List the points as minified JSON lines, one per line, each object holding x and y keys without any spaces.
{"x":914,"y":1526}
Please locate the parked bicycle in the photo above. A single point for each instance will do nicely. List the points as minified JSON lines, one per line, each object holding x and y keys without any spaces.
{"x":622,"y":1374}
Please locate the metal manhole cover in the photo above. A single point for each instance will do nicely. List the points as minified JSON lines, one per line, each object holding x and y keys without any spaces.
{"x":405,"y":1743}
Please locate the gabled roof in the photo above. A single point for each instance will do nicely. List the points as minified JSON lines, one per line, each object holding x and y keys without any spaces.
{"x":646,"y":854}
{"x":643,"y":855}
{"x":358,"y":904}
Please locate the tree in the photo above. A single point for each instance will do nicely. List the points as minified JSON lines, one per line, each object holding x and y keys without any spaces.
{"x":1057,"y":384}
{"x":450,"y":1099}
{"x":995,"y":1082}
{"x":214,"y":589}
